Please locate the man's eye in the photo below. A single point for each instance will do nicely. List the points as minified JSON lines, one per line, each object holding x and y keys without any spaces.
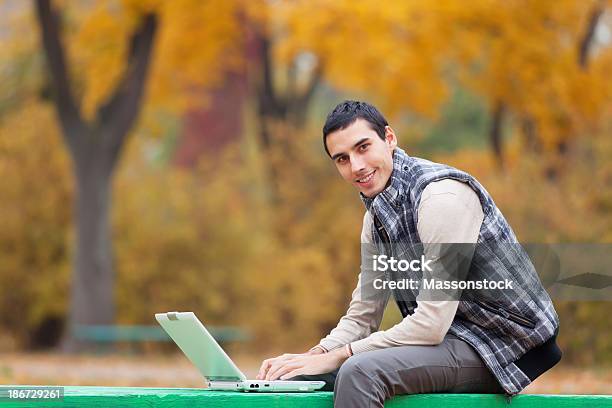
{"x":364,"y":147}
{"x":341,"y":159}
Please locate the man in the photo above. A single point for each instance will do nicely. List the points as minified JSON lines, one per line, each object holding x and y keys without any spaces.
{"x":479,"y":340}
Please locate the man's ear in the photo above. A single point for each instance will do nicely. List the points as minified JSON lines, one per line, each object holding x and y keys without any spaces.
{"x":390,"y":137}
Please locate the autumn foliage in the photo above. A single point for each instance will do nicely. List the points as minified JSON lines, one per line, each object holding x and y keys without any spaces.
{"x":266,"y":235}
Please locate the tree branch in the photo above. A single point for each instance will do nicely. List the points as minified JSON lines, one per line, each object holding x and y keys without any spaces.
{"x":315,"y":79}
{"x":587,"y":40}
{"x":300,"y":104}
{"x":67,"y":109}
{"x":268,"y":99}
{"x":291,"y":81}
{"x":117,"y":116}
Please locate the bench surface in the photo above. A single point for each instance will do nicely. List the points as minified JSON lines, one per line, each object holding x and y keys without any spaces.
{"x":195,"y":397}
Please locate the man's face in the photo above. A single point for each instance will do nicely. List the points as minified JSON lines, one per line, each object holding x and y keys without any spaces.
{"x":362,"y":157}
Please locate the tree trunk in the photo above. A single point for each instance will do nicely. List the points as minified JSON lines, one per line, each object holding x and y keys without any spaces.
{"x":95,"y":148}
{"x":275,"y":105}
{"x":495,"y":133}
{"x":92,"y":292}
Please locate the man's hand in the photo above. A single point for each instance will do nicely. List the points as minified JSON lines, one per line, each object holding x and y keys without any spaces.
{"x":291,"y":365}
{"x":265,"y":366}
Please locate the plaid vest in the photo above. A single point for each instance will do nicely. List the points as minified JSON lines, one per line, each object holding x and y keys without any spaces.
{"x":501,"y":331}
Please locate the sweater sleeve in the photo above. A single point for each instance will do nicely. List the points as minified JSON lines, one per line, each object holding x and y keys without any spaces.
{"x":364,"y":313}
{"x":449,"y":212}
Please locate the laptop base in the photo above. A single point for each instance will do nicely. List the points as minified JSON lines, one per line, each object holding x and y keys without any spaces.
{"x":266,"y":386}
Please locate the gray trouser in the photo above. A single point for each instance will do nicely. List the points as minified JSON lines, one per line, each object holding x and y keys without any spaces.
{"x":368,"y":379}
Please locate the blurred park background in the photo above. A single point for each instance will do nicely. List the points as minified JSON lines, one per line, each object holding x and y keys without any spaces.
{"x":167,"y":155}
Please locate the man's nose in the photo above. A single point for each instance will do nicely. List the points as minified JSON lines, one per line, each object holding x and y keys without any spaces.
{"x":357,"y":164}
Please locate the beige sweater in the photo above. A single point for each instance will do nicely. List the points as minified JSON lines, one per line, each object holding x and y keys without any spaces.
{"x":449,"y":212}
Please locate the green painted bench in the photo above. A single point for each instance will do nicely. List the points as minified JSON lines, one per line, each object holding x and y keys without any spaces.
{"x":193,"y":397}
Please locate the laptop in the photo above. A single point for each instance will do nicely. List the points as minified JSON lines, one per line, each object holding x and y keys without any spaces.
{"x":206,"y":354}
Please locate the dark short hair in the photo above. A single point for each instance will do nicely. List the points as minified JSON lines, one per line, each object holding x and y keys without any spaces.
{"x":347,"y":112}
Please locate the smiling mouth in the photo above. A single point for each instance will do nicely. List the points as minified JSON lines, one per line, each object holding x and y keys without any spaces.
{"x":366,"y":178}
